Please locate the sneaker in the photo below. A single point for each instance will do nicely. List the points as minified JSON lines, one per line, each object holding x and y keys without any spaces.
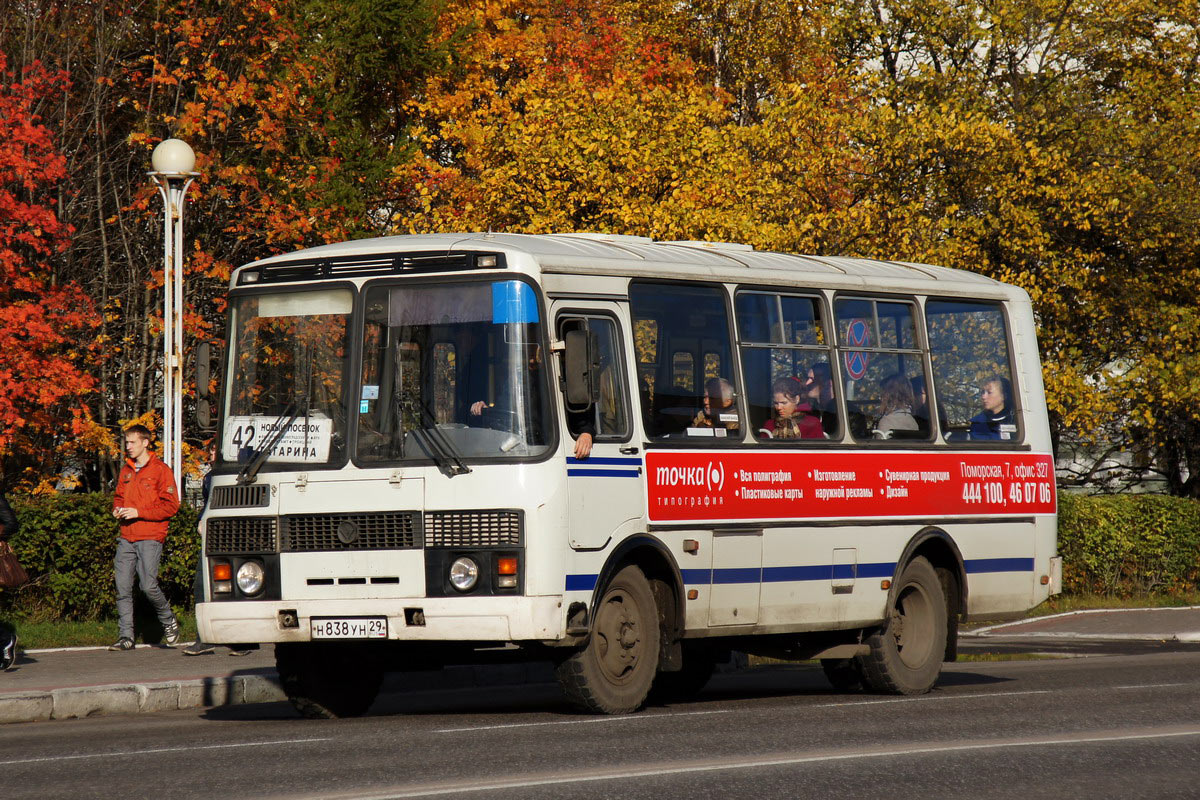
{"x":8,"y":652}
{"x":171,"y":634}
{"x":236,"y":652}
{"x":198,"y":648}
{"x":121,"y":644}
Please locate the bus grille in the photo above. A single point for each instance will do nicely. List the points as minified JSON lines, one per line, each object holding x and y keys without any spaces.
{"x":241,"y":535}
{"x":388,"y":530}
{"x":255,"y":496}
{"x":473,"y":529}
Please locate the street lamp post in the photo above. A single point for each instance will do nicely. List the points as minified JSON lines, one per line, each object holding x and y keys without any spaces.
{"x":173,"y":173}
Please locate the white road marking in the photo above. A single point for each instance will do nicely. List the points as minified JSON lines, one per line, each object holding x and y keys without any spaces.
{"x":655,"y":771}
{"x":630,"y":718}
{"x":926,"y":698}
{"x":158,"y":750}
{"x":1150,"y":685}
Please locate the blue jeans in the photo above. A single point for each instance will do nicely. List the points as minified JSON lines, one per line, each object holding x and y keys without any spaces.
{"x":141,"y":559}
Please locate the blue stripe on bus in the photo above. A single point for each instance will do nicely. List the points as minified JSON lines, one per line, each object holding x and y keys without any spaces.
{"x":816,"y":572}
{"x":603,"y":473}
{"x":581,"y":583}
{"x":998,"y":565}
{"x":624,"y":462}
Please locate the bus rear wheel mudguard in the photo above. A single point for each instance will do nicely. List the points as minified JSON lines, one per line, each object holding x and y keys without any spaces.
{"x":907,"y":651}
{"x":613,"y":673}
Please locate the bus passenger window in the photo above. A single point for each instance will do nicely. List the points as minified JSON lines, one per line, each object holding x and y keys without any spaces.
{"x":880,"y":360}
{"x":785,"y":358}
{"x":691,"y":324}
{"x":972,"y":374}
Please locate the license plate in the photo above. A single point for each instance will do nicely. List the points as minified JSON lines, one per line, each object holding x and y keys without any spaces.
{"x":349,"y":627}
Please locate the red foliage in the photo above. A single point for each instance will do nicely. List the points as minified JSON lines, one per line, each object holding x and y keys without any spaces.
{"x":42,"y":317}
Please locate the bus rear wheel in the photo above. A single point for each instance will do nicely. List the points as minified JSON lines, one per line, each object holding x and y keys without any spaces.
{"x":906,"y":653}
{"x":326,"y":680}
{"x":613,"y":673}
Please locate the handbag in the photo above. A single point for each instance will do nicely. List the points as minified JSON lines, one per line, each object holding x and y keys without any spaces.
{"x":12,"y":574}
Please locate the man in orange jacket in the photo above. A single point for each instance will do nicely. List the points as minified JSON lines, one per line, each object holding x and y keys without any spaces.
{"x":145,"y":499}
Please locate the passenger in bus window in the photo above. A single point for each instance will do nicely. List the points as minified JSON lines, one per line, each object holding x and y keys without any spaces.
{"x":820,"y":395}
{"x":793,"y":419}
{"x":920,"y":410}
{"x":996,"y":421}
{"x":896,"y":405}
{"x":719,"y":410}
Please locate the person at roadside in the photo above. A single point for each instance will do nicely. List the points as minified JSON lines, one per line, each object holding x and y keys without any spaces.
{"x":201,"y":647}
{"x":792,"y":418}
{"x":719,"y":410}
{"x":145,"y":499}
{"x":8,"y":637}
{"x":896,"y":405}
{"x":996,"y":421}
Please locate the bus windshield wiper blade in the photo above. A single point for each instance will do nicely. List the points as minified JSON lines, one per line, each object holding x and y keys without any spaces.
{"x":440,"y":448}
{"x":282,"y":423}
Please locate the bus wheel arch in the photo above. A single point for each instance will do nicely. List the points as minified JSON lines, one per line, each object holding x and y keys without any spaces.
{"x":653,"y":557}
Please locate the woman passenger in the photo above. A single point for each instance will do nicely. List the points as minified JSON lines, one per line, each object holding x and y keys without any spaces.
{"x":792,"y":419}
{"x":896,"y":405}
{"x":996,"y":421}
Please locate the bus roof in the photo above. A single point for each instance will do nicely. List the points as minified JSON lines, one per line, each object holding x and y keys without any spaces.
{"x":637,"y":256}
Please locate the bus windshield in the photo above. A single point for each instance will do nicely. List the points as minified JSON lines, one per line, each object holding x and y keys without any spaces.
{"x":286,"y":396}
{"x":452,"y":371}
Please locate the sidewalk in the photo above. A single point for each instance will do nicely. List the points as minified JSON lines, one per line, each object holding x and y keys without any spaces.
{"x":1138,"y":624}
{"x":81,"y":682}
{"x":61,"y":684}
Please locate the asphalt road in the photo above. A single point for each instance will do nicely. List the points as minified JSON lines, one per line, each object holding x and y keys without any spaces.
{"x":1088,"y":727}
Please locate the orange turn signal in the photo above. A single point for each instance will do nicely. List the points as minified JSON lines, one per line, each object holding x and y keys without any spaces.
{"x":506,"y":565}
{"x":222,"y":572}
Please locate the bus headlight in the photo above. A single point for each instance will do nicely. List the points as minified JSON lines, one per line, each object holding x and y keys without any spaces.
{"x":250,"y":577}
{"x":464,"y":574}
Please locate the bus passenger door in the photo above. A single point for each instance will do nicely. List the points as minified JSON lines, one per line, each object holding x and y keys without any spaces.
{"x":605,"y":490}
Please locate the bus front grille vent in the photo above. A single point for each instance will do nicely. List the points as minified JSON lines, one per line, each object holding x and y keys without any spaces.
{"x":387,"y":530}
{"x":473,"y":529}
{"x":241,"y":535}
{"x":254,"y":496}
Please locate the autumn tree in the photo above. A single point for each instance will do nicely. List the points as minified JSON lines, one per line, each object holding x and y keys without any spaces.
{"x":44,"y":323}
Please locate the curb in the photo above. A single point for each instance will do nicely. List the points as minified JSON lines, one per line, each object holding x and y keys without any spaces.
{"x":139,"y":698}
{"x":181,"y":695}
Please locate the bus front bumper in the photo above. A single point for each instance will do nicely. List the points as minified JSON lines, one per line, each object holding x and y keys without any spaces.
{"x":418,"y":619}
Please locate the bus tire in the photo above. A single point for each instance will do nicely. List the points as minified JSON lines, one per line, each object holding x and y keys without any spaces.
{"x":326,"y":680}
{"x":843,"y":674}
{"x":906,"y":652}
{"x":613,"y":672}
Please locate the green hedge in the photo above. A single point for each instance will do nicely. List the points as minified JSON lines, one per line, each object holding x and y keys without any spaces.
{"x":1127,"y":545}
{"x":67,"y":543}
{"x":1120,"y":545}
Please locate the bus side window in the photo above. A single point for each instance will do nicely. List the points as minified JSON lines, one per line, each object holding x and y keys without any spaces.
{"x":968,"y":342}
{"x":690,"y":326}
{"x":783,"y":342}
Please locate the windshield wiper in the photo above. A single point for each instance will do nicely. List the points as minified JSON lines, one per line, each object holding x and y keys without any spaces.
{"x":282,"y":423}
{"x":440,"y":449}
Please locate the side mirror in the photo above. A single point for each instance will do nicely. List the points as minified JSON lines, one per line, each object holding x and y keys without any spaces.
{"x":581,"y":369}
{"x":204,"y":408}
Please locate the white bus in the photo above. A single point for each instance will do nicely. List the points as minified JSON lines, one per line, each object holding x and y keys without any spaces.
{"x":814,"y":458}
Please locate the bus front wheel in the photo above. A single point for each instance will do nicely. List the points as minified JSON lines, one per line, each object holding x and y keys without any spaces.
{"x":906,"y":652}
{"x":613,"y":673}
{"x":326,"y":680}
